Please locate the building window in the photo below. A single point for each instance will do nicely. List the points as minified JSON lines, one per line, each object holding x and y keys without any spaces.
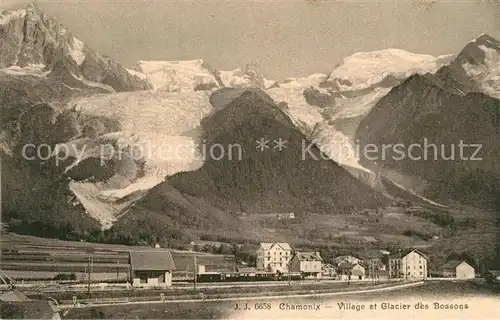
{"x":420,"y":272}
{"x":280,"y":253}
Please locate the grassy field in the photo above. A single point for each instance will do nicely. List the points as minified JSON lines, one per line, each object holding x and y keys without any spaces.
{"x":27,"y":257}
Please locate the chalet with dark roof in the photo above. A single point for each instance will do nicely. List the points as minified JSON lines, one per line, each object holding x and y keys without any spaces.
{"x":151,"y":268}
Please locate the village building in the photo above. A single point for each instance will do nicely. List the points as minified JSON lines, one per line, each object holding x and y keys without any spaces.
{"x":328,"y":270}
{"x":351,"y":271}
{"x":458,"y":269}
{"x":307,"y":263}
{"x":408,"y":264}
{"x":347,"y":258}
{"x":247,"y":271}
{"x":381,"y":275}
{"x":151,"y":268}
{"x":495,"y":273}
{"x":373,"y":261}
{"x":274,"y":257}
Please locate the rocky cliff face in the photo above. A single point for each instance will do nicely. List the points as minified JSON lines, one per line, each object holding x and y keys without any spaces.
{"x":476,"y":68}
{"x":29,"y":37}
{"x":428,"y":111}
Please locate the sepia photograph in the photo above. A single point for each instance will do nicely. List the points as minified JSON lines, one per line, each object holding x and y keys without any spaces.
{"x":250,"y":159}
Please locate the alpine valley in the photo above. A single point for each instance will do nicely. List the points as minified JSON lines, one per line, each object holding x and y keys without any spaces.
{"x":92,"y":115}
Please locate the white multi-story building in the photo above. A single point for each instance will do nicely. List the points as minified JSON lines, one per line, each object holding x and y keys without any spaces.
{"x":307,"y":263}
{"x":410,"y":264}
{"x":274,"y":257}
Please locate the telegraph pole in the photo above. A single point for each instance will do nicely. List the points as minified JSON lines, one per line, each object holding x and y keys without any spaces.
{"x":89,"y":268}
{"x":289,"y":272}
{"x":195,"y":271}
{"x":88,"y":274}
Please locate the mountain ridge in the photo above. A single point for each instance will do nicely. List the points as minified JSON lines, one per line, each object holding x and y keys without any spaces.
{"x":33,"y":38}
{"x":308,"y":108}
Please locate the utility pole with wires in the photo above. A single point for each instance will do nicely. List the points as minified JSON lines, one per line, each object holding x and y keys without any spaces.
{"x":117,"y":269}
{"x":88,"y":274}
{"x":401,"y":265}
{"x":195,"y":260}
{"x":90,"y":251}
{"x":289,"y":272}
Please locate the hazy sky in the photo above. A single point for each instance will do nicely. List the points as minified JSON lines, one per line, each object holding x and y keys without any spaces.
{"x":285,"y":38}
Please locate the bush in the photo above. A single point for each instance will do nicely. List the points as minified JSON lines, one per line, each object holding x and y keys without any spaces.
{"x":65,"y":276}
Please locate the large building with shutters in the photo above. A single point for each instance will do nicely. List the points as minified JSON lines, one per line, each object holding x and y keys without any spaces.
{"x":408,"y":264}
{"x":274,"y":257}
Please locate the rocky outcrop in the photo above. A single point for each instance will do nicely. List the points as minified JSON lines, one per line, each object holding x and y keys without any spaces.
{"x":476,"y":68}
{"x":315,"y":97}
{"x":426,"y":110}
{"x":29,"y":37}
{"x":247,"y":76}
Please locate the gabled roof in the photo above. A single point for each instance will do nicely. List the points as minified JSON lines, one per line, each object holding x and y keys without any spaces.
{"x":403,"y":253}
{"x":346,"y":265}
{"x":452,"y":264}
{"x":308,"y":256}
{"x":340,"y":259}
{"x":270,"y":245}
{"x":247,"y":270}
{"x":151,"y":260}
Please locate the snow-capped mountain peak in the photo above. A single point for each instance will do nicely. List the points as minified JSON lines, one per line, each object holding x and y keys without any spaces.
{"x":8,"y":16}
{"x":364,"y":69}
{"x":189,"y":75}
{"x":195,"y":75}
{"x":245,"y":77}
